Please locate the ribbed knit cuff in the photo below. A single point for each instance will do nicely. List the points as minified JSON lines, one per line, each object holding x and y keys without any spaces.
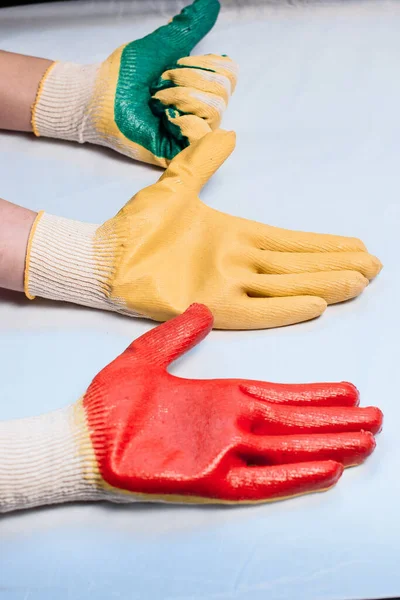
{"x":47,"y":460}
{"x":62,"y":106}
{"x":62,"y":264}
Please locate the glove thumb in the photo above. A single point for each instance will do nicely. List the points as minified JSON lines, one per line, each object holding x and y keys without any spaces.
{"x":197,"y":163}
{"x":169,"y":341}
{"x":183,"y":32}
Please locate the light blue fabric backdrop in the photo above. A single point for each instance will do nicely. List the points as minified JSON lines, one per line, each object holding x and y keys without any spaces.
{"x":317,"y":117}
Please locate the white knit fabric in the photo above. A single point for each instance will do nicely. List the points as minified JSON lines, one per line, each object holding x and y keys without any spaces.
{"x":68,"y":108}
{"x":62,"y":264}
{"x":63,"y":106}
{"x":65,"y":262}
{"x":50,"y":460}
{"x":42,"y":461}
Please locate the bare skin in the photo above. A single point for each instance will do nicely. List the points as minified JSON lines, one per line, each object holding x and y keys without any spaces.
{"x":15,"y":225}
{"x":19,"y":80}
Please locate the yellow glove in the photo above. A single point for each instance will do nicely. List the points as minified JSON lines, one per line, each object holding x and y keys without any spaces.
{"x":166,"y":249}
{"x":148,"y":100}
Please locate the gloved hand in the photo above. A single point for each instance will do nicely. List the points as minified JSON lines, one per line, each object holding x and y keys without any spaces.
{"x":166,"y":249}
{"x":140,"y":433}
{"x":149,"y":99}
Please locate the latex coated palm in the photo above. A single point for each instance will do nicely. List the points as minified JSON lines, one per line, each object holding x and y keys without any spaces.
{"x":149,"y":99}
{"x":140,"y":433}
{"x":223,"y":439}
{"x":166,"y":249}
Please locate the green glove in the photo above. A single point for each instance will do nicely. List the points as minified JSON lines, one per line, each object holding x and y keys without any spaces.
{"x":149,"y":99}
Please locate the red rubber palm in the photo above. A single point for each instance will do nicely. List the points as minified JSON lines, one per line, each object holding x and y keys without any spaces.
{"x":220,"y":440}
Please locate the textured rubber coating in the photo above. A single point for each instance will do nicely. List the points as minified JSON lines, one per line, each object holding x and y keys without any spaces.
{"x":222,"y":440}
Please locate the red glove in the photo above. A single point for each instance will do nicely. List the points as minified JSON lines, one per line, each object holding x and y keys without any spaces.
{"x":219,"y":440}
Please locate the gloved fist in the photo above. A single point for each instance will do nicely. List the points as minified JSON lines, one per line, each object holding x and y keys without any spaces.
{"x":140,"y":433}
{"x":149,"y":99}
{"x":166,"y":249}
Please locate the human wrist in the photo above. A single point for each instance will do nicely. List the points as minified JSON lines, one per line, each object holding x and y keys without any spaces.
{"x":15,"y":226}
{"x":20,"y":76}
{"x":62,"y":106}
{"x":66,"y":261}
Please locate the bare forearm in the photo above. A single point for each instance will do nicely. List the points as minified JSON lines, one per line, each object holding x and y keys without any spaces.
{"x":20,"y":77}
{"x":15,"y":226}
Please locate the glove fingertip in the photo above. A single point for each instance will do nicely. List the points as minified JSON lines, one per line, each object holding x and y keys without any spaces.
{"x":348,"y":391}
{"x":200,"y":312}
{"x":375,"y":419}
{"x":334,"y":471}
{"x":368,"y":443}
{"x":224,"y":138}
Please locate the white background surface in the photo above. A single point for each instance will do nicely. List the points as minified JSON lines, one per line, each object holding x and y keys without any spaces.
{"x":317,"y":117}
